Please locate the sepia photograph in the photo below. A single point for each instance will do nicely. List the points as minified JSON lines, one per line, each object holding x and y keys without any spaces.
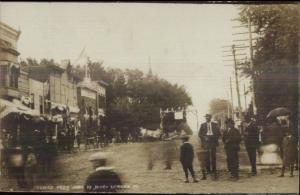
{"x":149,"y":97}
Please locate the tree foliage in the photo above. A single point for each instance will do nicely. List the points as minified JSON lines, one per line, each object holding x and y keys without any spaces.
{"x":275,"y":71}
{"x":133,"y":98}
{"x":217,"y":106}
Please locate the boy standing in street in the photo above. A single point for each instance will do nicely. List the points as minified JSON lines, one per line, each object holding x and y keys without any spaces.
{"x":187,"y":157}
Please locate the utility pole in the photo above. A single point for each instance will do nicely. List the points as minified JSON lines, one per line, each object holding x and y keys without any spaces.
{"x":245,"y":96}
{"x":228,"y":106}
{"x":249,"y":32}
{"x":237,"y":81}
{"x":233,"y":53}
{"x":231,"y":98}
{"x":251,"y":66}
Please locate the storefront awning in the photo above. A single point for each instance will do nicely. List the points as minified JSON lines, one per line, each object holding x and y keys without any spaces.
{"x":7,"y":107}
{"x":74,"y":109}
{"x":60,"y":107}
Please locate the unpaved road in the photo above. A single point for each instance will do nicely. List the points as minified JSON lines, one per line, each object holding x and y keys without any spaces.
{"x":130,"y":160}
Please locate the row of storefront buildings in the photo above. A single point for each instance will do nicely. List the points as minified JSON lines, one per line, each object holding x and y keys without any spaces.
{"x":52,"y":90}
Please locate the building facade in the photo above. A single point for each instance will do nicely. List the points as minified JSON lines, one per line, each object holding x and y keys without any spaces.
{"x":91,"y":96}
{"x":60,"y":87}
{"x":38,"y":91}
{"x":14,"y":83}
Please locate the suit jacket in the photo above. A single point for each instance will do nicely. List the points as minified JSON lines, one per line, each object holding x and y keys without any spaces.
{"x":232,"y":139}
{"x":209,"y":141}
{"x":104,"y":180}
{"x":251,"y":135}
{"x":186,"y":154}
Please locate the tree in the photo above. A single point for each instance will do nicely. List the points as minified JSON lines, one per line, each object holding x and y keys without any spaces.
{"x":219,"y":106}
{"x":133,"y":99}
{"x":275,"y":61}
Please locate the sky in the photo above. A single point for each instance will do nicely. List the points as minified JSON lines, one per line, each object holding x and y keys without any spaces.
{"x":183,"y":43}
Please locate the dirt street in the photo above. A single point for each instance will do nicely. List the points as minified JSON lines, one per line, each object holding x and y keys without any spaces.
{"x":130,"y":160}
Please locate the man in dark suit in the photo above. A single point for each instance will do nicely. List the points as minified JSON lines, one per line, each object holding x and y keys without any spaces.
{"x":104,"y":178}
{"x":251,"y":136}
{"x":232,"y":140}
{"x":209,"y":134}
{"x":187,"y":157}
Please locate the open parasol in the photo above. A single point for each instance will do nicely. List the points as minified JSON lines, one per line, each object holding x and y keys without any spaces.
{"x":280,"y":111}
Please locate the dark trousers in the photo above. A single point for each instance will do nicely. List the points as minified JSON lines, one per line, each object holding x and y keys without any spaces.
{"x":232,"y":161}
{"x":211,"y":160}
{"x":19,"y":174}
{"x":188,"y":168}
{"x":252,"y":157}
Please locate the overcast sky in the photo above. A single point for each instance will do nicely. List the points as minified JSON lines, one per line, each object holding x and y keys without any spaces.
{"x":183,"y":41}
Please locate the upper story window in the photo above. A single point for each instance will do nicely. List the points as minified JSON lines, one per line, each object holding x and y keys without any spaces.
{"x":3,"y":74}
{"x":13,"y":76}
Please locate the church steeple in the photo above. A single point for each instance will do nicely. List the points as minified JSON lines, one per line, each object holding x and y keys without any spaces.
{"x":87,"y":76}
{"x":150,"y":68}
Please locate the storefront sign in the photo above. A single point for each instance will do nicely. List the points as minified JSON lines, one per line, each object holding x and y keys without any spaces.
{"x":88,"y":93}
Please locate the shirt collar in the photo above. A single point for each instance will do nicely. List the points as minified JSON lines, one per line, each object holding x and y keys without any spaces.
{"x":104,"y":168}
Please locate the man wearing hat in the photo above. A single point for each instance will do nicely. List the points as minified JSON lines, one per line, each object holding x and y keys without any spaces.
{"x":187,"y":157}
{"x":104,"y":178}
{"x":251,"y":136}
{"x":232,"y":140}
{"x":209,"y":134}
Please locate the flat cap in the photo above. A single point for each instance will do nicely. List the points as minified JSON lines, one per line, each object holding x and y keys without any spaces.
{"x":98,"y":156}
{"x":208,"y":115}
{"x":184,"y":136}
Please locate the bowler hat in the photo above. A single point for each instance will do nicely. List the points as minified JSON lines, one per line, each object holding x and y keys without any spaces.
{"x":207,"y":115}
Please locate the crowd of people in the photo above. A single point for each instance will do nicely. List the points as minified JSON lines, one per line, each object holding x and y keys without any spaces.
{"x":286,"y":137}
{"x":40,"y":153}
{"x":210,"y":136}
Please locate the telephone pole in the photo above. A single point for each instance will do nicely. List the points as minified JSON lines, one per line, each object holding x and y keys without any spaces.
{"x":233,"y":50}
{"x":249,"y":32}
{"x":245,"y":96}
{"x":237,"y":81}
{"x":229,"y":106}
{"x":231,"y":98}
{"x":251,"y":67}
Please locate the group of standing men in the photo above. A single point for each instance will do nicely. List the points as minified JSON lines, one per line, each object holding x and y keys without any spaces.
{"x":209,"y":135}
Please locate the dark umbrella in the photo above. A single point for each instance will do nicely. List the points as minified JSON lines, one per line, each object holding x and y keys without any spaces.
{"x":281,"y":111}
